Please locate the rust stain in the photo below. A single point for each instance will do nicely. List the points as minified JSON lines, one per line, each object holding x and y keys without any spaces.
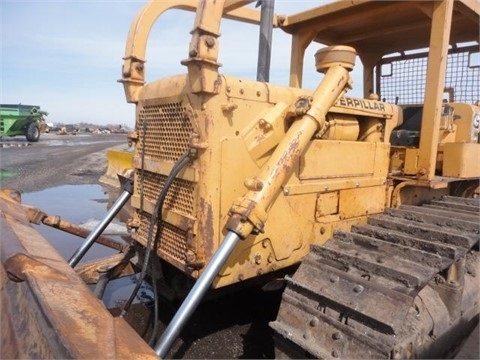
{"x":205,"y":230}
{"x":51,"y":313}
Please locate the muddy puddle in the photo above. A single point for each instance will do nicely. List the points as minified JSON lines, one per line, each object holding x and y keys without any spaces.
{"x":86,"y":205}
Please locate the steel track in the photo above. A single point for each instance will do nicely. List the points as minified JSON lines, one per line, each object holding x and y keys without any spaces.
{"x":396,"y":287}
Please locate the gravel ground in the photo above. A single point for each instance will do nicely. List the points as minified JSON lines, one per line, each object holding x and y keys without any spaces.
{"x":55,"y":160}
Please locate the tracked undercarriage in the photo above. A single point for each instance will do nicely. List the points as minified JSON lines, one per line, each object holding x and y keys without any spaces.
{"x":387,"y":289}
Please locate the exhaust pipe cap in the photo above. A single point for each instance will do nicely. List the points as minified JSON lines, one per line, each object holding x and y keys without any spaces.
{"x":330,"y":56}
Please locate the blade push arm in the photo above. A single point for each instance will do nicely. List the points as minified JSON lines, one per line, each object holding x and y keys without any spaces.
{"x":249,"y":213}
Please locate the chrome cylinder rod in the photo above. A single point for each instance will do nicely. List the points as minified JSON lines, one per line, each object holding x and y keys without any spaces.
{"x":196,"y":294}
{"x":97,"y":231}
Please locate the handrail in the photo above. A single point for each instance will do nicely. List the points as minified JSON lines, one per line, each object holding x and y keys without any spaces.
{"x":133,"y":74}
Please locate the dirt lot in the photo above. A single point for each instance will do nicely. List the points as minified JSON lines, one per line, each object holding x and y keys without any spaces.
{"x":55,"y":160}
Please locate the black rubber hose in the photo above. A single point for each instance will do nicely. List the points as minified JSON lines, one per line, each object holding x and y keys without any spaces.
{"x":179,"y":165}
{"x":153,"y":336}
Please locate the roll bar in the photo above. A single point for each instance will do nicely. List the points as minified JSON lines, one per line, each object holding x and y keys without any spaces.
{"x":206,"y":24}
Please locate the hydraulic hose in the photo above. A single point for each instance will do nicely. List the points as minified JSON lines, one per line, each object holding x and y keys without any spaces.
{"x":179,"y":165}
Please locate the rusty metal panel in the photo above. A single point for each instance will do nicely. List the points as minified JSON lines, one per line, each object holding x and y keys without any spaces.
{"x":326,"y":204}
{"x":358,"y":202}
{"x":49,"y":312}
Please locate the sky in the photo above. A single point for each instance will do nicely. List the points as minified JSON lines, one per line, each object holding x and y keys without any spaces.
{"x":66,"y":56}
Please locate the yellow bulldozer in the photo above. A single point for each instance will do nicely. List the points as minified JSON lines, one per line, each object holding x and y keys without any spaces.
{"x":367,"y":207}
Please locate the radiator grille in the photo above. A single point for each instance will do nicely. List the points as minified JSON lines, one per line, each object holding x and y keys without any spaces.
{"x":164,"y":133}
{"x":167,"y":130}
{"x":173,"y":241}
{"x":401,"y":80}
{"x":180,"y":195}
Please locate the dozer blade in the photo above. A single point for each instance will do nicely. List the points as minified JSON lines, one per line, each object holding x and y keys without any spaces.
{"x":402,"y":286}
{"x":118,"y":162}
{"x":48,"y":312}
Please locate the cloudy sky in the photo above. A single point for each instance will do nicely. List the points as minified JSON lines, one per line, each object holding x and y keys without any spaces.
{"x":66,"y":56}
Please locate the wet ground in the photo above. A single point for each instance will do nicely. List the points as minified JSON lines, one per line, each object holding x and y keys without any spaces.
{"x":60,"y":175}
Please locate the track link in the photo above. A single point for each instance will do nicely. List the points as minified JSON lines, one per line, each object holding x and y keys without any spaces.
{"x":364,"y":293}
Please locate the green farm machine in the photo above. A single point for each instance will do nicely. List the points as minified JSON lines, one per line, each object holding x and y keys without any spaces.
{"x":21,"y":120}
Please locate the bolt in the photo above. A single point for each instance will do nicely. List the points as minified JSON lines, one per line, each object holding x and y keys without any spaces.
{"x":190,"y":256}
{"x":380,"y":260}
{"x":322,"y":230}
{"x":258,"y":259}
{"x":335,"y":353}
{"x":264,"y":243}
{"x":334,"y":278}
{"x":193,"y":53}
{"x":242,"y":91}
{"x":422,"y":171}
{"x":258,"y":93}
{"x":358,"y":289}
{"x":337,"y":336}
{"x":254,"y":184}
{"x":314,"y":321}
{"x":210,"y":41}
{"x":229,"y":89}
{"x":241,"y":277}
{"x":286,"y":191}
{"x":264,"y":124}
